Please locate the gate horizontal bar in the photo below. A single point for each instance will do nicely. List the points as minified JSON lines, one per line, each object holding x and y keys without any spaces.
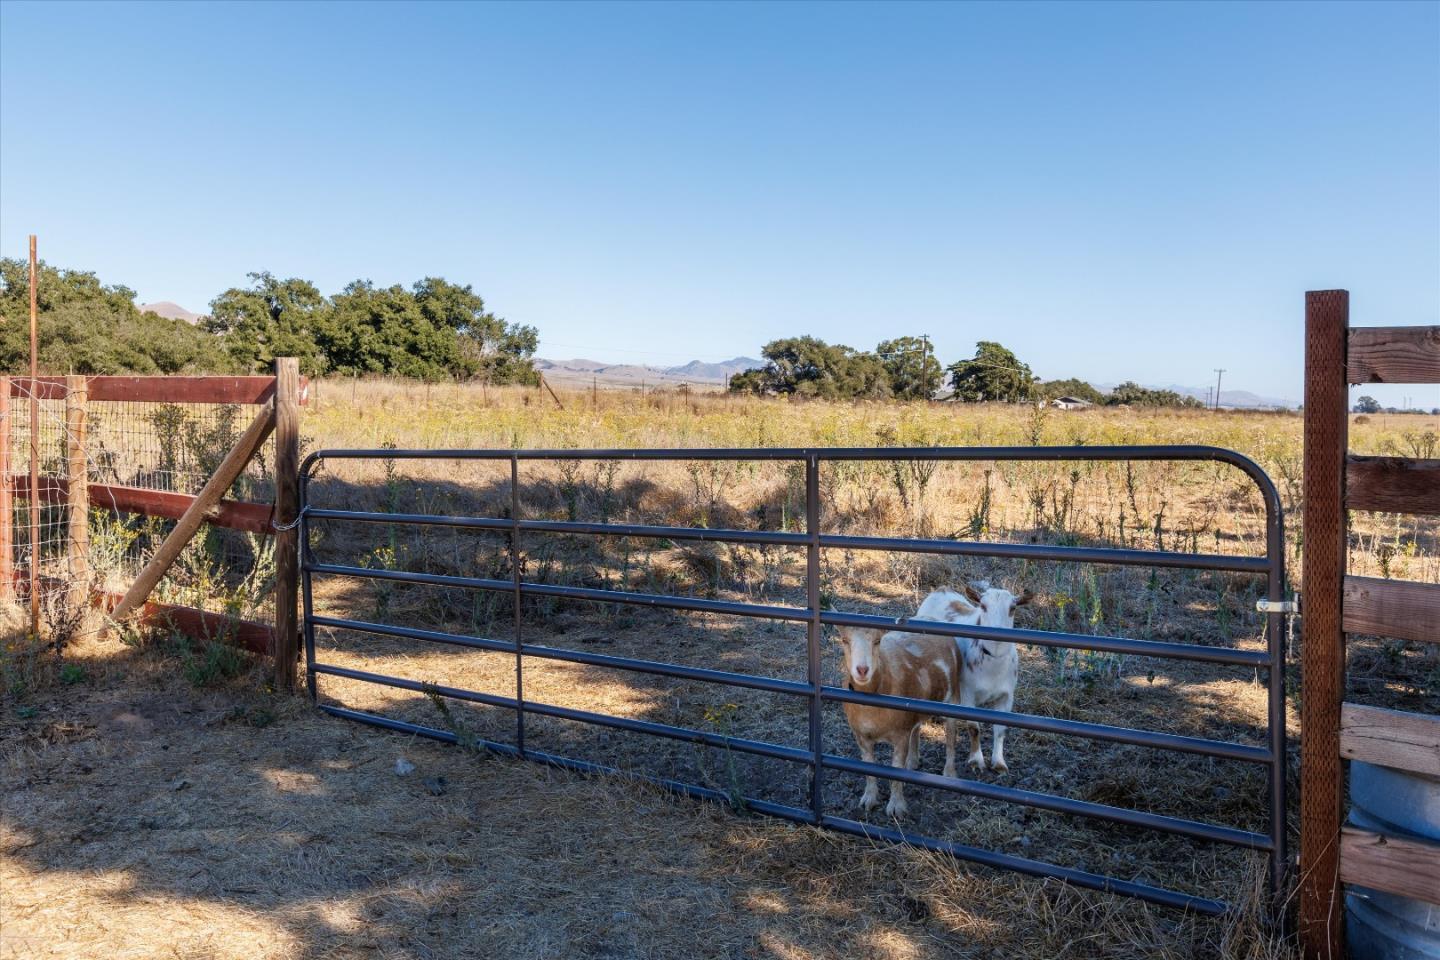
{"x":1029,"y":798}
{"x":1088,"y":731}
{"x":656,"y":667}
{"x":717,"y":535}
{"x":1033,"y":868}
{"x":1195,"y":452}
{"x":669,"y":731}
{"x":1037,"y":551}
{"x":968,"y":548}
{"x":1046,"y":638}
{"x":1076,"y":641}
{"x":1045,"y":801}
{"x":566,"y":763}
{"x":574,"y":593}
{"x":1223,"y":749}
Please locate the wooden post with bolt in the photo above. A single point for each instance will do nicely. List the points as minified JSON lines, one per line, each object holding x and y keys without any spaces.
{"x":287,"y":537}
{"x":1322,"y":783}
{"x":77,"y":547}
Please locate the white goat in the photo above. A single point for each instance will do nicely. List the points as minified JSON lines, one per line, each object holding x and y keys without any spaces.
{"x":991,"y":668}
{"x":898,"y":665}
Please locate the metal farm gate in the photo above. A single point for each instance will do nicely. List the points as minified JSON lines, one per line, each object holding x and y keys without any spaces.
{"x":814,"y":690}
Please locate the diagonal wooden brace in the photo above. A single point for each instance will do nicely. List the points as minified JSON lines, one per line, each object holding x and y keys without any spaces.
{"x":190,"y":521}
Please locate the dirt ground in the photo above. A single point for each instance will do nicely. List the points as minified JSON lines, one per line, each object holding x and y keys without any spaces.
{"x":144,"y":817}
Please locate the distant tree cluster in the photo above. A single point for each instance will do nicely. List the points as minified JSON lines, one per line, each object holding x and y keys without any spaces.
{"x":433,"y":330}
{"x":89,"y":327}
{"x":905,"y":369}
{"x":1368,"y":404}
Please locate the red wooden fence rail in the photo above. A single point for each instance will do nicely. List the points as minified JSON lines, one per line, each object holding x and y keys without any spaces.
{"x":279,"y":641}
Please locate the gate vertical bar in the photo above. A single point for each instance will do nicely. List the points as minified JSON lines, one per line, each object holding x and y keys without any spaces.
{"x":1275,"y":643}
{"x":515,"y":582}
{"x":307,"y":623}
{"x":812,"y":632}
{"x":1322,"y":786}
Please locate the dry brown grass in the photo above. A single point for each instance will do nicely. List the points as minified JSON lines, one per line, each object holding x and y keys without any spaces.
{"x":146,"y":819}
{"x":296,"y":838}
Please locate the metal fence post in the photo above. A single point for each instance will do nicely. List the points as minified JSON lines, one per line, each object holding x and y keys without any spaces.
{"x":812,"y":633}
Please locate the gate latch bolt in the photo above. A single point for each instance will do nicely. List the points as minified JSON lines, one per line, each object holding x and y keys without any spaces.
{"x":1278,"y":606}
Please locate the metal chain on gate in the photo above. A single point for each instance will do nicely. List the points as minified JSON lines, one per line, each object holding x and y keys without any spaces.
{"x":282,"y":527}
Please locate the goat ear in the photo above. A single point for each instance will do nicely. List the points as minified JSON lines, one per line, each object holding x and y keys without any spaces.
{"x":1024,"y":598}
{"x":972,"y":593}
{"x":961,"y":607}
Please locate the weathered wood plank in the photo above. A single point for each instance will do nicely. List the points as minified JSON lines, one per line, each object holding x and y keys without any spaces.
{"x":1409,"y":868}
{"x":287,"y":502}
{"x":198,"y":624}
{"x":189,"y":523}
{"x":234,"y":514}
{"x":1394,"y":355}
{"x":1403,"y":609}
{"x":1390,"y":738}
{"x":251,"y":390}
{"x":77,"y":547}
{"x":1322,"y":788}
{"x":1393,"y":485}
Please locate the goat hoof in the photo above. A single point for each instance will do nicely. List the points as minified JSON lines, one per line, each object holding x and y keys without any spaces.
{"x":999,"y":766}
{"x":950,"y":771}
{"x":868,"y":803}
{"x":897,"y":811}
{"x":977,"y":761}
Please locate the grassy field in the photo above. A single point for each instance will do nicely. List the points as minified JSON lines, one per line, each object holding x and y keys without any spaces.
{"x":192,"y":809}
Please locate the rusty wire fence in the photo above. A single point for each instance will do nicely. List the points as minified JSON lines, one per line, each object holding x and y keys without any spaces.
{"x":140,"y":459}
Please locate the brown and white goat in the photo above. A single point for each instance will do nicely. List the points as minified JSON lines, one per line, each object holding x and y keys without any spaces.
{"x":899,"y":665}
{"x":991,"y":668}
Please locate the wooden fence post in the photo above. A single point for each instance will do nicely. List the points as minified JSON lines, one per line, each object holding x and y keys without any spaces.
{"x":77,"y":548}
{"x":7,"y":499}
{"x":1322,"y":781}
{"x":287,"y":500}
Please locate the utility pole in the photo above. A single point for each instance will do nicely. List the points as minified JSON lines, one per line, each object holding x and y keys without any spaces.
{"x":925,"y":367}
{"x":1219,"y":372}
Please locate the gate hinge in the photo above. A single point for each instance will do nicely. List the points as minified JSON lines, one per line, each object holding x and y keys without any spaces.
{"x":1279,"y":606}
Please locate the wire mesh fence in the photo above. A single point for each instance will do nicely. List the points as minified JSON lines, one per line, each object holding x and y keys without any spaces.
{"x":129,"y":446}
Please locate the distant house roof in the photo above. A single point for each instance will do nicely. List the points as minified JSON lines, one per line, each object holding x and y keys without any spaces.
{"x":1069,"y":402}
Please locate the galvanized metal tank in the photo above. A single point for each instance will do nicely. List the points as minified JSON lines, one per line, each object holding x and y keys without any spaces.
{"x":1382,"y":926}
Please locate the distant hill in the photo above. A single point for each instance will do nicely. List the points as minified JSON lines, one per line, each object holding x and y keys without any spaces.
{"x":1239,"y":399}
{"x":170,"y":311}
{"x":714,"y":372}
{"x":585,"y":372}
{"x":1234,"y":399}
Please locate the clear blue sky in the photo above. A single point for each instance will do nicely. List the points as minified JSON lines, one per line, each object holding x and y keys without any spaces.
{"x":1136,"y":190}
